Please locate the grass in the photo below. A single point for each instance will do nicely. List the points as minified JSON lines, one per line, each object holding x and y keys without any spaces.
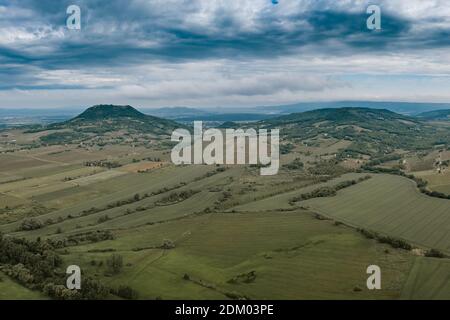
{"x":429,"y":279}
{"x":294,"y":255}
{"x":12,"y":290}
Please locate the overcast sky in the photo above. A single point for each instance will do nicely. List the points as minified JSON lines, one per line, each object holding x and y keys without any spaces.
{"x":155,"y":53}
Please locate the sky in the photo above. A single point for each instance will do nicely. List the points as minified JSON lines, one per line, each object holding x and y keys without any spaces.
{"x":221,"y":53}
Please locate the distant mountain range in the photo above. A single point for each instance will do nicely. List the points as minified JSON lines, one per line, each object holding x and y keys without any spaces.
{"x":372,"y":131}
{"x":266,"y":112}
{"x":407,"y":108}
{"x":14,"y":117}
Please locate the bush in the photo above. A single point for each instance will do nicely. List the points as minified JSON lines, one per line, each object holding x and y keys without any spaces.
{"x":168,"y":244}
{"x":394,"y":242}
{"x":297,"y":164}
{"x":126,"y":292}
{"x":30,"y":224}
{"x":433,"y":253}
{"x":114,"y":264}
{"x":103,"y":218}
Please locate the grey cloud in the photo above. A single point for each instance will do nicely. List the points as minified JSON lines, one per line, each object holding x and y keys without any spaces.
{"x":120,"y":35}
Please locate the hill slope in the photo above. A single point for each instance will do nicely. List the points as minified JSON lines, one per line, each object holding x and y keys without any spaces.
{"x":435,"y":115}
{"x":124,"y":116}
{"x":409,"y":108}
{"x":373,"y":131}
{"x":109,"y":122}
{"x":101,"y":112}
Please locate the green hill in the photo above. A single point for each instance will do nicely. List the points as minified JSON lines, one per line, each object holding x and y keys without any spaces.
{"x":369,"y":118}
{"x":123,"y":117}
{"x":229,"y":125}
{"x":435,"y":115}
{"x":101,"y":112}
{"x":373,"y":131}
{"x":108,"y":124}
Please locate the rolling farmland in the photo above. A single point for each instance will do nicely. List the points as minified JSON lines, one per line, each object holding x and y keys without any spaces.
{"x":391,"y":205}
{"x":292,"y":255}
{"x":219,"y":231}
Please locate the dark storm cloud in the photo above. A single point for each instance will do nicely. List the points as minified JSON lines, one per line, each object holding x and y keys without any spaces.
{"x":119,"y":33}
{"x":113,"y":30}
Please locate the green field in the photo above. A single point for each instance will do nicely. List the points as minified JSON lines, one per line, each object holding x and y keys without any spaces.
{"x":437,"y":181}
{"x":10,"y":290}
{"x":294,"y":256}
{"x":221,"y":232}
{"x":428,"y":279}
{"x":391,"y":205}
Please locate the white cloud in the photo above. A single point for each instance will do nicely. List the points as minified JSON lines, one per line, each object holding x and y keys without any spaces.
{"x":208,"y":72}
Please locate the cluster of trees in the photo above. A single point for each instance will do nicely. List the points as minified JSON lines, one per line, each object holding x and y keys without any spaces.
{"x":102,"y":163}
{"x":317,"y":193}
{"x":176,"y":197}
{"x":103,"y":219}
{"x":286,"y":148}
{"x":37,"y":266}
{"x":90,"y":290}
{"x":328,"y":168}
{"x":136,"y":198}
{"x":90,"y":237}
{"x":434,"y":253}
{"x":76,"y":239}
{"x":62,"y":138}
{"x":114,"y":264}
{"x":168,"y":244}
{"x":30,"y":224}
{"x":297,"y":164}
{"x":394,"y":242}
{"x":125,"y":292}
{"x":248,"y":277}
{"x":327,"y":191}
{"x":219,"y":169}
{"x":154,"y":159}
{"x":381,"y":160}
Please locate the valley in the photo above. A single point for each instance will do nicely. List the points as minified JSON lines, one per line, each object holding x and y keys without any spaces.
{"x":356,"y":187}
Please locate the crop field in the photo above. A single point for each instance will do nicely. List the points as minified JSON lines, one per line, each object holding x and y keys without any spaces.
{"x":436,"y":181}
{"x":391,"y":205}
{"x":428,"y":279}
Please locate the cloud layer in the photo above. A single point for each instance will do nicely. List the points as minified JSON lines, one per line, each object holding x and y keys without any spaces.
{"x":221,"y":52}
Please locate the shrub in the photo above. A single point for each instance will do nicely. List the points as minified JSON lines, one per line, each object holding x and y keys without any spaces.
{"x":30,"y":224}
{"x":433,"y":253}
{"x":114,"y":264}
{"x":126,"y":292}
{"x":103,"y":218}
{"x":168,"y":244}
